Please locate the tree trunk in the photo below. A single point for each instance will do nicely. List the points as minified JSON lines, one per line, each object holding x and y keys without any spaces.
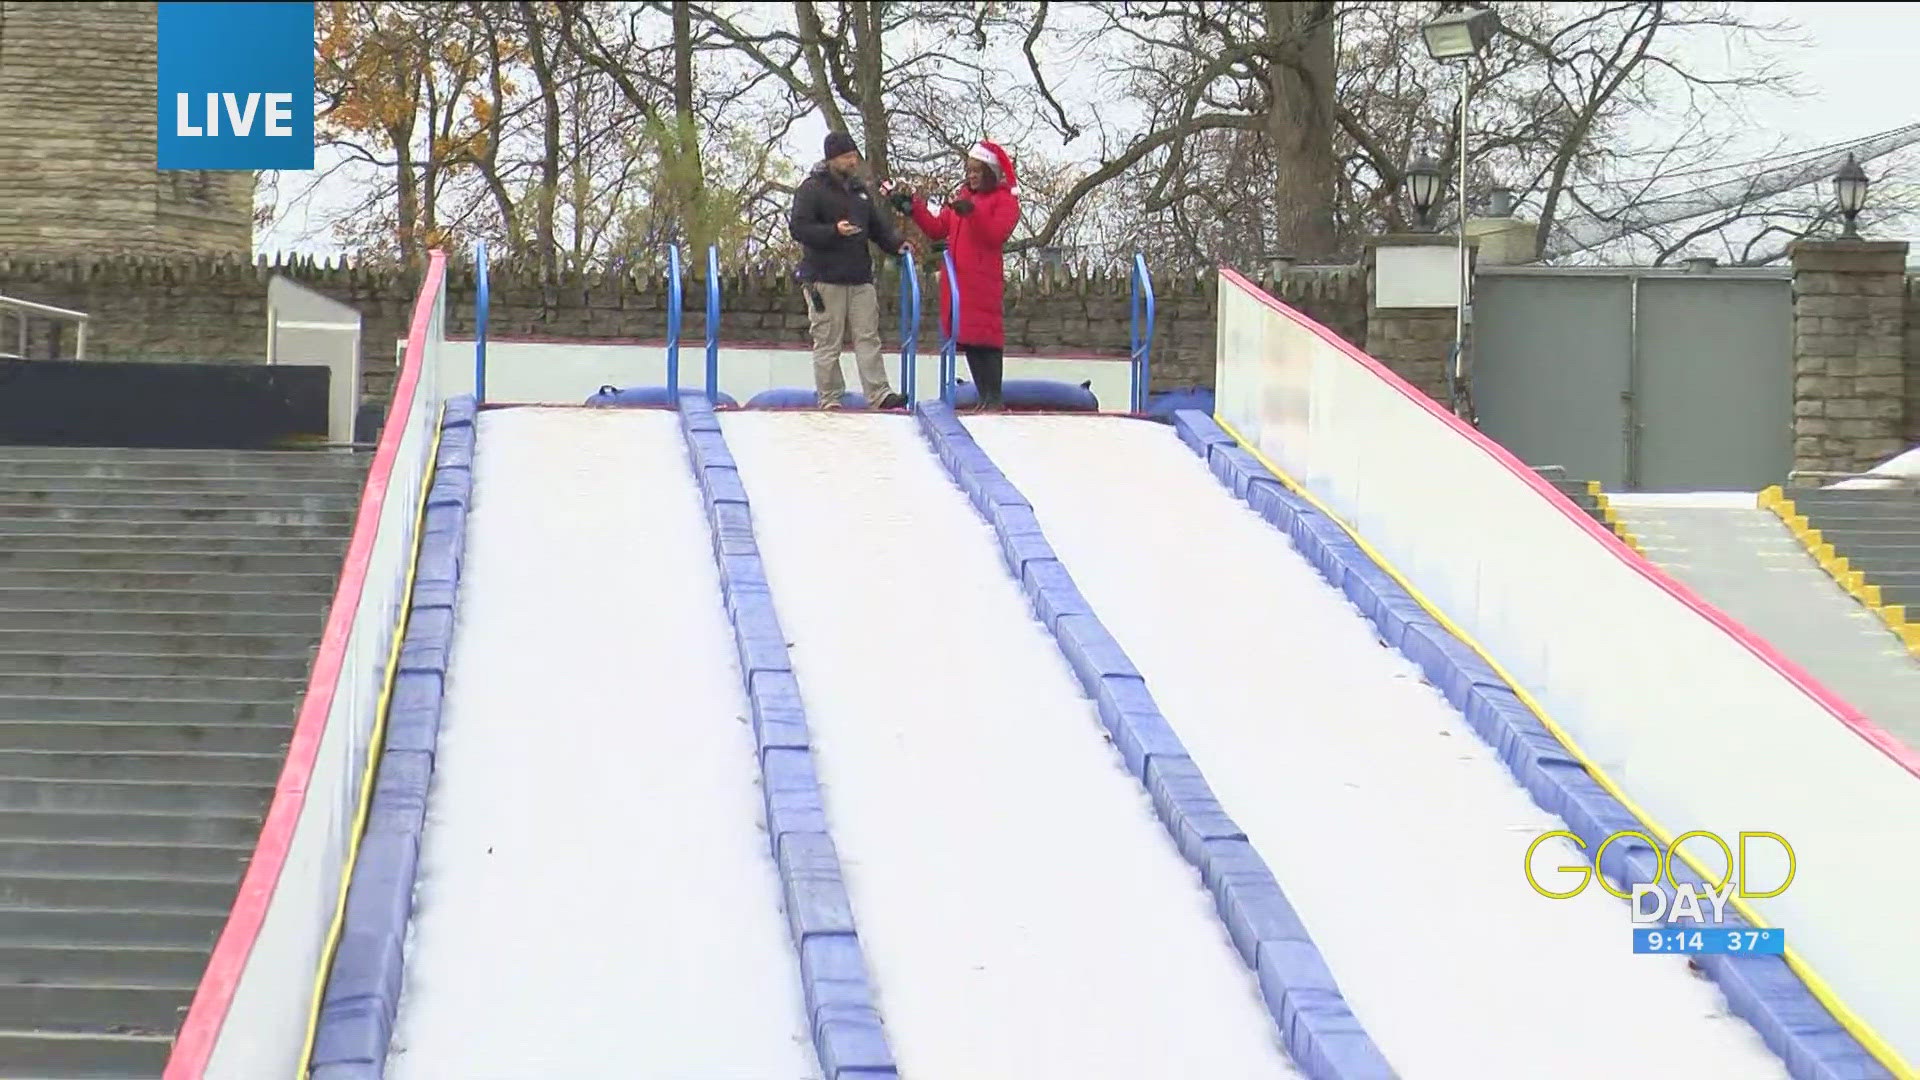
{"x":869,"y":69}
{"x":1300,"y":78}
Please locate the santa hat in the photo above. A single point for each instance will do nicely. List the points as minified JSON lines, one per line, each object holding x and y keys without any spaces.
{"x":996,"y":159}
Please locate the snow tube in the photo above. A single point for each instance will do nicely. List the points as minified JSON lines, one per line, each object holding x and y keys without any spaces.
{"x":800,"y":397}
{"x":1163,"y":405}
{"x":612,"y":397}
{"x":1036,"y":395}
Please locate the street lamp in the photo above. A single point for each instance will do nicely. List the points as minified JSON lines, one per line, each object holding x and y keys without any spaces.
{"x":1461,"y":35}
{"x":1850,"y":190}
{"x":1423,"y":187}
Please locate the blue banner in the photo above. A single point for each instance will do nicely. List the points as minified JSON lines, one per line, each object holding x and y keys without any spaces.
{"x":235,"y":86}
{"x":1720,"y":940}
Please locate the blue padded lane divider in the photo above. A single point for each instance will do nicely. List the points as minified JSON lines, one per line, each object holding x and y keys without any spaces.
{"x":848,"y":1033}
{"x":1761,"y":989}
{"x":362,"y":994}
{"x":1316,"y":1025}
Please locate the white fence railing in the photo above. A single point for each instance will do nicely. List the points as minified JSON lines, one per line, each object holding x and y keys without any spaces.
{"x":1702,"y":725}
{"x":19,"y":312}
{"x":249,"y":1017}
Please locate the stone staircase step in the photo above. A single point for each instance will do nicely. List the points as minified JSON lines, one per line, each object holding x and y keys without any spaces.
{"x":235,"y":688}
{"x":121,"y":826}
{"x":96,"y":1008}
{"x":181,"y":710}
{"x":108,"y":926}
{"x":101,"y":858}
{"x":133,"y":736}
{"x":80,"y":966}
{"x":38,"y":1055}
{"x":196,"y":766}
{"x":162,"y":643}
{"x":165,"y":581}
{"x":115,"y":531}
{"x":175,"y":893}
{"x":344,"y":487}
{"x":135,"y":560}
{"x":135,"y":796}
{"x":243,"y":513}
{"x":146,"y":454}
{"x":181,"y":664}
{"x":155,"y":601}
{"x":269,"y":543}
{"x":186,"y":504}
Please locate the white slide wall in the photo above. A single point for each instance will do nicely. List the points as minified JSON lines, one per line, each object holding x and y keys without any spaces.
{"x":1699,"y":723}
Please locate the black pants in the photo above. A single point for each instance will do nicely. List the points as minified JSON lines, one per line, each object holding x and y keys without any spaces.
{"x":984,"y":363}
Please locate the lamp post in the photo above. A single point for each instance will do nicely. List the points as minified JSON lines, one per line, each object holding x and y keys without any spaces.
{"x":1850,"y":191}
{"x":1423,"y":188}
{"x":1461,"y":35}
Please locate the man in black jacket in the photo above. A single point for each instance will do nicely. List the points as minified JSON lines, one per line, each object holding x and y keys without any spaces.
{"x":833,"y":218}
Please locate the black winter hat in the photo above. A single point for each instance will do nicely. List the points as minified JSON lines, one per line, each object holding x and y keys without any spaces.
{"x":839,"y":142}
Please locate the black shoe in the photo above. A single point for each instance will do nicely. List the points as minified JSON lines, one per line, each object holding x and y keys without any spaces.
{"x":891,"y":400}
{"x":992,"y":404}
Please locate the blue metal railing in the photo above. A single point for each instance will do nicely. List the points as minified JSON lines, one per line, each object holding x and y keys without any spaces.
{"x":713,"y":323}
{"x":480,"y":296}
{"x":909,"y":324}
{"x":950,"y":342}
{"x":675,"y":300}
{"x":1141,"y":344}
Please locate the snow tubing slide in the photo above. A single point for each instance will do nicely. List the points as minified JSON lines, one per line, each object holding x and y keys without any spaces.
{"x":1316,"y":1025}
{"x":644,"y":397}
{"x":1033,"y":395}
{"x":849,"y":1035}
{"x":1762,"y":990}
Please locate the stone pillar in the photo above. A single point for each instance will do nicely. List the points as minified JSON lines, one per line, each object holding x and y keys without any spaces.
{"x":1413,"y":342}
{"x":1849,"y":345}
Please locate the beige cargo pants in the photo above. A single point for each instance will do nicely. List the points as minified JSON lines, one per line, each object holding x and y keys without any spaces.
{"x":846,"y":310}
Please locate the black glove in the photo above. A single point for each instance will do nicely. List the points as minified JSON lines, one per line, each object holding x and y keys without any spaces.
{"x":962,"y":206}
{"x":902,"y":201}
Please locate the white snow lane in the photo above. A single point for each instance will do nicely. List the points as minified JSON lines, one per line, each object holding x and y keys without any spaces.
{"x":1398,"y":835}
{"x":1023,"y":912}
{"x":595,"y":895}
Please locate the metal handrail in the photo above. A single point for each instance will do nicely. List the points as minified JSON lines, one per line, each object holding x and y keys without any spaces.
{"x":950,"y":344}
{"x":1140,"y":344}
{"x":713,"y":323}
{"x":909,"y":324}
{"x":675,"y":300}
{"x":481,"y":304}
{"x":23,"y":308}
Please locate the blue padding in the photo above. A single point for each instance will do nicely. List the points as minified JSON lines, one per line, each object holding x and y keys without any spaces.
{"x":1198,"y":430}
{"x":849,"y":1036}
{"x":1164,"y":405}
{"x":1033,"y":395}
{"x":459,"y":412}
{"x":1315,"y":1023}
{"x":801,"y":397}
{"x":367,"y":969}
{"x":646,"y":397}
{"x":1762,"y":990}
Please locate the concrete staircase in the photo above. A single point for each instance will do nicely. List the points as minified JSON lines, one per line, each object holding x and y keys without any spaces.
{"x":1587,"y":495}
{"x":158,"y":613}
{"x":1877,"y":532}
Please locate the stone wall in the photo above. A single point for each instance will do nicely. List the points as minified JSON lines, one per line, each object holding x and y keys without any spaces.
{"x":215,"y":309}
{"x":1850,"y":388}
{"x":77,"y":175}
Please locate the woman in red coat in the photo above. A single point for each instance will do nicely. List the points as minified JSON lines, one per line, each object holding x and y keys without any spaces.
{"x":976,"y":222}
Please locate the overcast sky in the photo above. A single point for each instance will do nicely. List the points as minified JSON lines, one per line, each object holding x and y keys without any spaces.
{"x":1857,"y":72}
